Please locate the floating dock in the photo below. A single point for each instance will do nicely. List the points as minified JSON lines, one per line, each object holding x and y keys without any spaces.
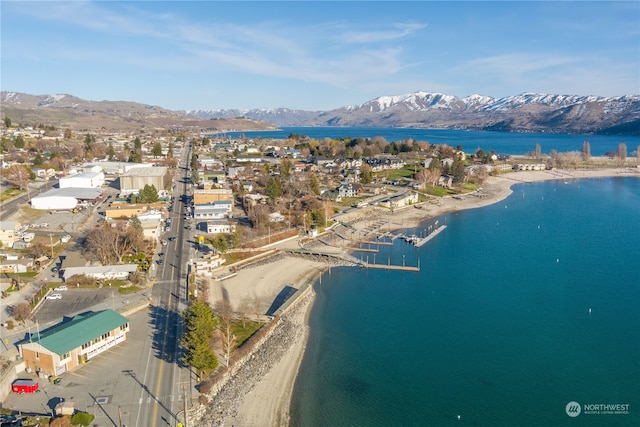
{"x":422,"y":240}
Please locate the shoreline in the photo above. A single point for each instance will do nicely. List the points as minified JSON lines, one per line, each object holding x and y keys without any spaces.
{"x":268,"y":401}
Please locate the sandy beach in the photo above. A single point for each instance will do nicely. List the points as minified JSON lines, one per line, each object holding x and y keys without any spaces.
{"x":263,"y":396}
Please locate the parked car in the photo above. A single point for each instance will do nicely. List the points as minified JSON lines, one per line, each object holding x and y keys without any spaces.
{"x":54,"y":296}
{"x":60,"y":288}
{"x":164,"y":242}
{"x":172,"y":238}
{"x":159,"y":261}
{"x":55,"y":269}
{"x":25,"y":386}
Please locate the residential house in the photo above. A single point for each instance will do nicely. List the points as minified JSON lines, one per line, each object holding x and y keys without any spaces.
{"x":9,"y":233}
{"x":349,"y":190}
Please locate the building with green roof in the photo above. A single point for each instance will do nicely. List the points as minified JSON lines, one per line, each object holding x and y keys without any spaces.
{"x":73,"y":341}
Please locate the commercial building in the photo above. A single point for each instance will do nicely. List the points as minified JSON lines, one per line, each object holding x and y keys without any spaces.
{"x":82,"y":180}
{"x":114,"y":272}
{"x":135,"y":179}
{"x":65,"y":198}
{"x":72,"y":342}
{"x":203,"y":197}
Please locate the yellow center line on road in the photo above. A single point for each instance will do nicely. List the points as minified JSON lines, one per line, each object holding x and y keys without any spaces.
{"x":159,"y":377}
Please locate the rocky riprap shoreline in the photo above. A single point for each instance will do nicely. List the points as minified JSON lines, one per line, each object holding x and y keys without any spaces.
{"x":231,"y":386}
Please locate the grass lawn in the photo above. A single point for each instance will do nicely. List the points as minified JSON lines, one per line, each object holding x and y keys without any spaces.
{"x":393,"y":174}
{"x":232,"y":257}
{"x":10,"y":193}
{"x":244,"y":333}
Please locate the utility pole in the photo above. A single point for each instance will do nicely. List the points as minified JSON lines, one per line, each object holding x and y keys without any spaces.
{"x":51,"y":244}
{"x":184,"y":400}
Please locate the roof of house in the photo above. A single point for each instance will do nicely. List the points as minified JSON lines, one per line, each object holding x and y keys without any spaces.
{"x":8,"y":225}
{"x":78,"y":330}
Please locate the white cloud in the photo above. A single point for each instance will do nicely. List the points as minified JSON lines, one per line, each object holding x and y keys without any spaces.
{"x":399,"y":30}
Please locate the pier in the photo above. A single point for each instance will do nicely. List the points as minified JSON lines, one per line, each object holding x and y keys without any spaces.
{"x":421,"y":241}
{"x":355,"y":261}
{"x":391,"y":267}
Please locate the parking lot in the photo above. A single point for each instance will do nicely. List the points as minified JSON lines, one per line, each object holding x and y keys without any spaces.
{"x":74,"y":301}
{"x":109,"y":386}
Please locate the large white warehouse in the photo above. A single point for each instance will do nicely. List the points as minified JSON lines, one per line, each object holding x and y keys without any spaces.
{"x":83,"y":180}
{"x":64,"y":198}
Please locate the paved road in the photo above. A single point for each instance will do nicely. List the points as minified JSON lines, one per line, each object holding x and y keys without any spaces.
{"x":141,"y":382}
{"x":164,"y":382}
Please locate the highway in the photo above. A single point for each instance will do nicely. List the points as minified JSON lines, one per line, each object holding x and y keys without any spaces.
{"x":164,"y":382}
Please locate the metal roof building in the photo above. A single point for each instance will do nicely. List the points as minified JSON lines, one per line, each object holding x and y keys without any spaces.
{"x":73,"y":341}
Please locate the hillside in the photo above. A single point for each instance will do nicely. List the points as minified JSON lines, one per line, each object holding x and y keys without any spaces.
{"x":67,"y":111}
{"x":527,"y":112}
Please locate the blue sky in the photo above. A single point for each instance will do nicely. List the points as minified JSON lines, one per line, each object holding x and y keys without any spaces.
{"x":316,"y":55}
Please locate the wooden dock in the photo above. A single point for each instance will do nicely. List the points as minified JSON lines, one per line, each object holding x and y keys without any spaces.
{"x":391,"y":267}
{"x":361,"y":249}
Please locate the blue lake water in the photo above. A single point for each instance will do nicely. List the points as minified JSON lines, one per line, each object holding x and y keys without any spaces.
{"x":471,"y":141}
{"x":495,"y":327}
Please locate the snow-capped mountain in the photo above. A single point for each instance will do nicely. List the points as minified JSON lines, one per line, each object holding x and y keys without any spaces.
{"x":276,"y":116}
{"x":527,"y":112}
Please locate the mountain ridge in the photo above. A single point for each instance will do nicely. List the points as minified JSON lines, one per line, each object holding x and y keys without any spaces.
{"x":526,"y":112}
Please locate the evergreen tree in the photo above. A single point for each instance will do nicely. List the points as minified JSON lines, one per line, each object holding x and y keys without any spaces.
{"x":285,"y":168}
{"x":148,"y":194}
{"x":200,"y":322}
{"x":457,"y":170}
{"x":273,"y":189}
{"x":220,"y":243}
{"x":134,"y":222}
{"x":156,"y":151}
{"x":314,"y":184}
{"x":38,"y":160}
{"x":19,"y":142}
{"x":111,"y":153}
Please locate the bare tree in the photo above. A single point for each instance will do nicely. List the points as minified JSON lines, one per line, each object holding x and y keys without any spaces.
{"x":428,"y":176}
{"x":622,"y":153}
{"x":110,"y":244}
{"x":225,"y":314}
{"x":18,"y":176}
{"x":586,"y":150}
{"x":256,"y":308}
{"x":21,"y":311}
{"x":97,"y":242}
{"x":243,"y":310}
{"x":538,"y":151}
